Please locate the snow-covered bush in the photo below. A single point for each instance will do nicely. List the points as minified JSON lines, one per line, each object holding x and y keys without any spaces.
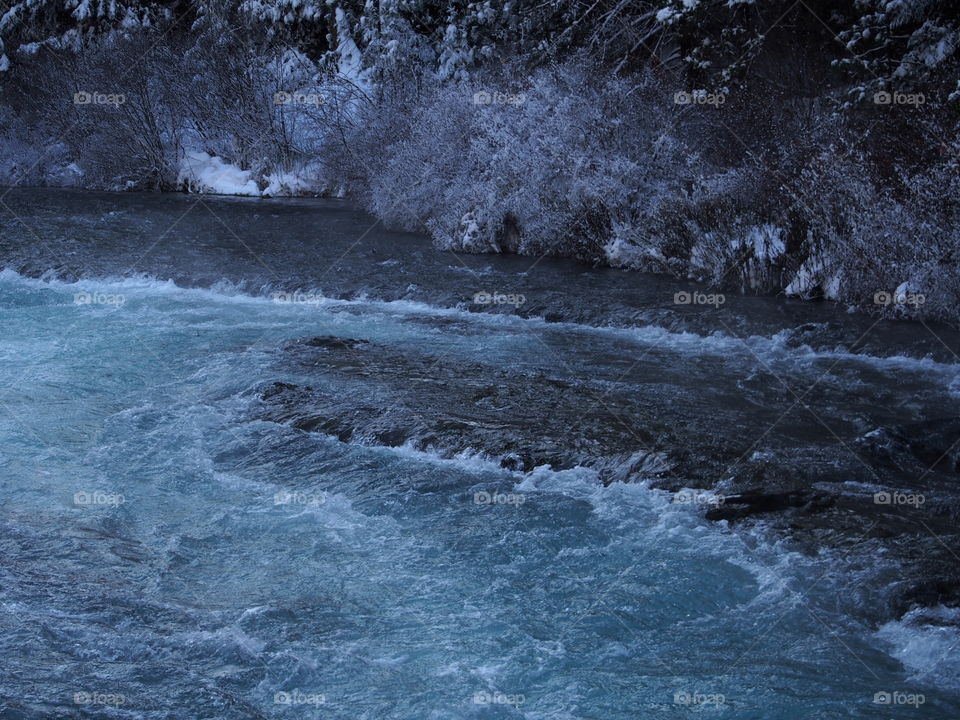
{"x":879,"y":241}
{"x":132,"y":120}
{"x":101,"y":116}
{"x":551,"y":165}
{"x":24,"y":161}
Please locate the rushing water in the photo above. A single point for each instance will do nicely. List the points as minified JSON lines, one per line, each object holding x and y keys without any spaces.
{"x":168,"y":553}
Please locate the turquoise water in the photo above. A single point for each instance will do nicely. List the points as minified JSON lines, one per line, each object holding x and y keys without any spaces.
{"x":166,"y":554}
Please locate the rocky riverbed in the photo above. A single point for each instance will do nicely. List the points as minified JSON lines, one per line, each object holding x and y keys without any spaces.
{"x":891,"y":490}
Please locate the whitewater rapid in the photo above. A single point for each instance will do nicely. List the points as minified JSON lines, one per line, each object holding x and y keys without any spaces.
{"x":254,"y":570}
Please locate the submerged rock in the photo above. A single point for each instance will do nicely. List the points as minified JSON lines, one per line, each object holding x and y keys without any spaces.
{"x":892,"y":490}
{"x":738,"y":507}
{"x":389,"y":397}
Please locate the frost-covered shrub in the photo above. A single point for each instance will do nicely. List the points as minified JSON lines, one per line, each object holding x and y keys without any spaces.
{"x":556,"y":164}
{"x":24,"y":161}
{"x":718,"y":231}
{"x":98,"y":110}
{"x":408,"y":154}
{"x":830,"y":194}
{"x":868,"y":239}
{"x":906,"y":241}
{"x":125,"y":119}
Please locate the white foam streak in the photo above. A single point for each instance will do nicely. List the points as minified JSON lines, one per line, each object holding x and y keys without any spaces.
{"x":772,"y":348}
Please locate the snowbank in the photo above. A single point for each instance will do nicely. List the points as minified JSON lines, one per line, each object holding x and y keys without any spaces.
{"x":203,"y":173}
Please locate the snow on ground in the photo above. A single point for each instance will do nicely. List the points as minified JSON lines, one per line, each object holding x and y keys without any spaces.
{"x":203,"y":173}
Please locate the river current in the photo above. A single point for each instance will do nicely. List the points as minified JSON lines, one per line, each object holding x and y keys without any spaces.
{"x":168,"y":552}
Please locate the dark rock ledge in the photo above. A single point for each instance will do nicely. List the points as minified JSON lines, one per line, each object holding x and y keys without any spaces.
{"x":819,"y":495}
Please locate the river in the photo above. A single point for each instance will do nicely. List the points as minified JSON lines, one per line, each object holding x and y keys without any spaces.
{"x":266,"y":459}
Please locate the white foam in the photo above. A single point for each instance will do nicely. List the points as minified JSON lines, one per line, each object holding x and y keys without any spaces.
{"x":772,"y":348}
{"x":231,"y":637}
{"x":637,"y":510}
{"x":334,"y":513}
{"x":469,"y":460}
{"x":927,"y":642}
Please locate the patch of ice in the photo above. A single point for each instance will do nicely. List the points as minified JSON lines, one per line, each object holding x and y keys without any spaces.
{"x":815,"y":275}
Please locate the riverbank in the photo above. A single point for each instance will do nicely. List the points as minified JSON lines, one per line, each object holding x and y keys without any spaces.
{"x":899,"y":302}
